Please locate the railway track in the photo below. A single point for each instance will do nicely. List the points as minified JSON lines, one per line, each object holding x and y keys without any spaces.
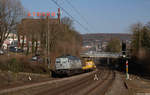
{"x":73,"y":87}
{"x":81,"y":85}
{"x":85,"y":86}
{"x":101,"y":86}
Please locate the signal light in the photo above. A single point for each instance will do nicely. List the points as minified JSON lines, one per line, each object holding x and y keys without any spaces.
{"x":124,"y":49}
{"x":123,"y":46}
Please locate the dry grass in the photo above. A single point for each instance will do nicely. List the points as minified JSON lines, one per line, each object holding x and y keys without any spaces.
{"x":21,"y":64}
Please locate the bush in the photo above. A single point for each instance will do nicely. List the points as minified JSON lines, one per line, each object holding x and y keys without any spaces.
{"x":21,"y":64}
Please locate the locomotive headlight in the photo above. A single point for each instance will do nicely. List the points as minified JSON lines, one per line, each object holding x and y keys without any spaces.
{"x":124,"y":56}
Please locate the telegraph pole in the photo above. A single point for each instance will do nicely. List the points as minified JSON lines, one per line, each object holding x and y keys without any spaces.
{"x":48,"y":38}
{"x":58,"y":14}
{"x":1,"y":30}
{"x":48,"y":44}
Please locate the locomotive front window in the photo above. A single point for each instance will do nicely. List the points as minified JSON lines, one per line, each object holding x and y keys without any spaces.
{"x":57,"y":61}
{"x":64,"y":62}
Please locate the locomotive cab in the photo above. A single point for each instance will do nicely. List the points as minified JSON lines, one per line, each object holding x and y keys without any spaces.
{"x":89,"y":65}
{"x":67,"y":65}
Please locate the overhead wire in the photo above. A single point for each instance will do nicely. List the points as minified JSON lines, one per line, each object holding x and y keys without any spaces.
{"x":80,"y":15}
{"x":56,"y":3}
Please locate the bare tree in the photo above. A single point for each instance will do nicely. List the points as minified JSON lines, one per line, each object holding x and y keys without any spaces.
{"x":59,"y":41}
{"x":114,"y":45}
{"x":67,"y":22}
{"x":11,"y":12}
{"x":140,"y":39}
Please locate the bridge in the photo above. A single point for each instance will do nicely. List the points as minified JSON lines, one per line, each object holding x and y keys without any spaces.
{"x":107,"y":55}
{"x":101,"y":55}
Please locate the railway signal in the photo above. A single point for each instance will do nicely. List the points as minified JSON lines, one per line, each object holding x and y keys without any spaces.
{"x":127,"y":74}
{"x":124,"y":55}
{"x":123,"y":49}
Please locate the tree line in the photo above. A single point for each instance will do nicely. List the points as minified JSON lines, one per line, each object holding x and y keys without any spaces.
{"x":11,"y":12}
{"x":140,"y":46}
{"x":62,"y":38}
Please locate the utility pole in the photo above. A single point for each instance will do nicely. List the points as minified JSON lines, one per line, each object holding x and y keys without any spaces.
{"x":139,"y":38}
{"x":58,"y":14}
{"x":48,"y":34}
{"x":0,"y":29}
{"x":48,"y":44}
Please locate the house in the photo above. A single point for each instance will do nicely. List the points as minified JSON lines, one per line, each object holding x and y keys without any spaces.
{"x":12,"y":39}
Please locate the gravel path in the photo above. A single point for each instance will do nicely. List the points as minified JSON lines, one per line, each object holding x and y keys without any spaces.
{"x":118,"y":87}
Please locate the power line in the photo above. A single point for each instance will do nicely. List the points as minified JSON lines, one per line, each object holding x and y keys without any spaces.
{"x":71,"y":16}
{"x":62,"y":1}
{"x":85,"y":28}
{"x":78,"y":12}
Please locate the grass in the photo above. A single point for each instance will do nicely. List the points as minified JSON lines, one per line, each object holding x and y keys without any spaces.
{"x":21,"y":64}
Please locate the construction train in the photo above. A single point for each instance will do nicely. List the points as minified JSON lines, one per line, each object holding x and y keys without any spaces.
{"x":70,"y":65}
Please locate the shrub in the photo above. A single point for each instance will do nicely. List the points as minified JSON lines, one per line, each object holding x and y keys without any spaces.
{"x":21,"y":64}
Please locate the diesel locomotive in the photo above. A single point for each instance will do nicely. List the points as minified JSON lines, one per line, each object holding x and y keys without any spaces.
{"x":70,"y":65}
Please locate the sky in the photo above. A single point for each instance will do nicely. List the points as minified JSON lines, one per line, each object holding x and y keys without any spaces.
{"x":98,"y":16}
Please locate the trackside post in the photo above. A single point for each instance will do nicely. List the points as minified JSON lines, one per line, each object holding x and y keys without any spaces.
{"x":127,"y":74}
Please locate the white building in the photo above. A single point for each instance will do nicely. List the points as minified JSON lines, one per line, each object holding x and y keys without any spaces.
{"x":11,"y":39}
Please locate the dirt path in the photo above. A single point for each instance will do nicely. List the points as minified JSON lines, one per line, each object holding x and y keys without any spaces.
{"x":118,"y":86}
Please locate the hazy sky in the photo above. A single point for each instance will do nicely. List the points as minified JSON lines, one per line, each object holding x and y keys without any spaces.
{"x":103,"y":16}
